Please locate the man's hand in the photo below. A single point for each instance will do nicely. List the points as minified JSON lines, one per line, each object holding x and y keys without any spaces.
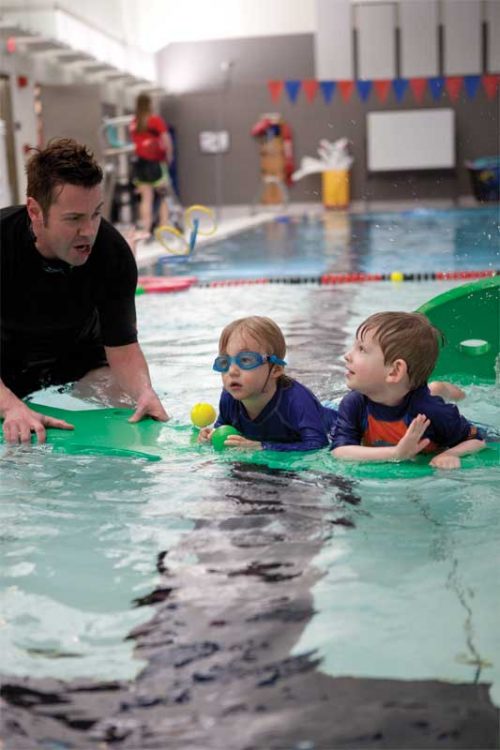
{"x":412,"y":442}
{"x":238,"y":441}
{"x":149,"y":405}
{"x":20,"y":421}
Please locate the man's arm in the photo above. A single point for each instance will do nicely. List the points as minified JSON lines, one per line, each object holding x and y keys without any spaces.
{"x":129,"y":367}
{"x":20,"y":421}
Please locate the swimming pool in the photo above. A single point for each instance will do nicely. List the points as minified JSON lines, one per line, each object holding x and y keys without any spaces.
{"x":265,"y":608}
{"x":418,"y":241}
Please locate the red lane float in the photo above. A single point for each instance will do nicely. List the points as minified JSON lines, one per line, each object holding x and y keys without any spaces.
{"x":162,"y":284}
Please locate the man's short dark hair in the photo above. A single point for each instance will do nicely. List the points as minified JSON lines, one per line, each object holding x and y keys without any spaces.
{"x":62,"y":162}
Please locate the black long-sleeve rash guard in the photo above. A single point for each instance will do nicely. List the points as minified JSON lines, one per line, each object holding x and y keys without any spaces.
{"x":54,"y":315}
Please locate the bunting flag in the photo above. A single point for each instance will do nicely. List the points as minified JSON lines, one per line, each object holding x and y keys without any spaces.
{"x":346,"y":89}
{"x":436,"y":85}
{"x":275,"y":89}
{"x":382,"y":88}
{"x":471,"y":84}
{"x":418,"y":87}
{"x":400,"y":85}
{"x":292,"y":89}
{"x":327,"y":89}
{"x":310,"y":87}
{"x":453,"y":85}
{"x":490,"y":84}
{"x":364,"y":89}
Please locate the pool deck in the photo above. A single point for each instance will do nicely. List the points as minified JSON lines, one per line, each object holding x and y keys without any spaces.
{"x":234,"y":219}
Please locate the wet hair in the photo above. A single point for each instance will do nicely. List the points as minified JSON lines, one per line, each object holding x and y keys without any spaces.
{"x":407,"y":336}
{"x":62,"y":162}
{"x":263,"y":330}
{"x":143,"y":109}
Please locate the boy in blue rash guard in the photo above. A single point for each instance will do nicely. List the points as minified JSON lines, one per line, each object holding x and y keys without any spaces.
{"x":391,"y":413}
{"x":271,"y":410}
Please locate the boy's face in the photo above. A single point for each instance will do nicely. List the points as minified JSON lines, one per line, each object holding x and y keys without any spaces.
{"x":247,"y":384}
{"x":365,"y":368}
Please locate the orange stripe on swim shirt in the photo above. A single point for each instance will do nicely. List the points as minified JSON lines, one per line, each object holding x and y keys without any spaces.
{"x":378,"y":433}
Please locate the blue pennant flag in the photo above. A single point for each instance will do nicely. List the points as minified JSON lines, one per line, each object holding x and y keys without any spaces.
{"x":292,"y":89}
{"x":328,"y":90}
{"x":471,"y":84}
{"x":400,"y":85}
{"x":436,"y":86}
{"x":364,"y":89}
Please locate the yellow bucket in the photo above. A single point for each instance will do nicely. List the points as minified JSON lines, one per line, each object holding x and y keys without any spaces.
{"x":335,"y":186}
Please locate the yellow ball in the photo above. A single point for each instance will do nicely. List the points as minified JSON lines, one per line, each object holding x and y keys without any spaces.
{"x":202,"y":415}
{"x":397,"y":276}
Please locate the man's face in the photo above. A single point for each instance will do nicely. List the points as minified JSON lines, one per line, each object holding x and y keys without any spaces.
{"x":71,"y":225}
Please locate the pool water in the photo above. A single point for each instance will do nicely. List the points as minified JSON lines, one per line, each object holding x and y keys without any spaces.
{"x":226,"y":574}
{"x":418,"y":241}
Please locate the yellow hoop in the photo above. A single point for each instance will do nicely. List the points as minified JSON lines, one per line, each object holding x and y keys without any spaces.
{"x":165,"y":235}
{"x":203,"y":210}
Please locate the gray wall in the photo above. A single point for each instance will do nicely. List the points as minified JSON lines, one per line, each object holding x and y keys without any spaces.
{"x":200,"y":66}
{"x":237,"y":107}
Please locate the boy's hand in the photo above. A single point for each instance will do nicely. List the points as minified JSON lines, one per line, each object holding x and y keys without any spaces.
{"x":412,"y":442}
{"x":445,"y":461}
{"x":238,"y":441}
{"x":205,"y":434}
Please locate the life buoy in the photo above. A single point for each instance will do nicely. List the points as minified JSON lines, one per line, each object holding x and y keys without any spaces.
{"x":286,"y":135}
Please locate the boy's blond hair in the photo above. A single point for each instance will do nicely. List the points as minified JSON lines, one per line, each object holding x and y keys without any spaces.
{"x":261,"y":329}
{"x":407,"y":336}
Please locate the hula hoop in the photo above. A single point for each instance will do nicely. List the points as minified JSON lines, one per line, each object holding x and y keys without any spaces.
{"x":203,"y":210}
{"x":162,"y":233}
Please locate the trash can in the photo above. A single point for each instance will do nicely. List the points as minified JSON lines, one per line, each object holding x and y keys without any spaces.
{"x":335,"y":188}
{"x":485,"y":178}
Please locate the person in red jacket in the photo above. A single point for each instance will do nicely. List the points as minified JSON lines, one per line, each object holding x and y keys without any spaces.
{"x":153,"y":148}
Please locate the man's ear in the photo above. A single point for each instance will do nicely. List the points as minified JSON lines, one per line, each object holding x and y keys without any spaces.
{"x":34,"y":210}
{"x":397,"y":371}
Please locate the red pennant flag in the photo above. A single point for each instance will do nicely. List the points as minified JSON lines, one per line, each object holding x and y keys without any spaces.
{"x":275,"y":89}
{"x":490,"y":84}
{"x":346,"y":89}
{"x":453,"y":85}
{"x":310,"y":89}
{"x":418,"y":86}
{"x":382,"y":89}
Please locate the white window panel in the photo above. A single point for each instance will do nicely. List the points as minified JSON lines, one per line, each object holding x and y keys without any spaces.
{"x":418,"y":23}
{"x":462,"y":37}
{"x":376,"y":40}
{"x":333,"y":40}
{"x":492,"y":17}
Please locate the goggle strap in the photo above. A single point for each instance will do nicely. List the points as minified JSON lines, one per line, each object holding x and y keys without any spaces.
{"x":276,"y":360}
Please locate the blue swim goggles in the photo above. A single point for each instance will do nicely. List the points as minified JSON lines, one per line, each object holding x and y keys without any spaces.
{"x":245,"y":361}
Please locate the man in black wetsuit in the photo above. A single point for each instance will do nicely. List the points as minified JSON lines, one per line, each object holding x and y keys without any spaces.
{"x":68,"y":282}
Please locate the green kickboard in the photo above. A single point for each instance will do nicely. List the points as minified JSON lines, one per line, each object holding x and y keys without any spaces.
{"x":107,"y":432}
{"x":103,"y":431}
{"x":469,"y":313}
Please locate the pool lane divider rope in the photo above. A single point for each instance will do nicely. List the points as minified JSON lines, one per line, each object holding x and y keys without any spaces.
{"x":160,"y":284}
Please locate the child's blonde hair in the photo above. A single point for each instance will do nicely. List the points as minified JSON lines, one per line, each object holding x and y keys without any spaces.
{"x":407,"y":336}
{"x":262,"y":329}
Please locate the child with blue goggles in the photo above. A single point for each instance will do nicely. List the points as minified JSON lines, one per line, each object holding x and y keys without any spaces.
{"x":269,"y":409}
